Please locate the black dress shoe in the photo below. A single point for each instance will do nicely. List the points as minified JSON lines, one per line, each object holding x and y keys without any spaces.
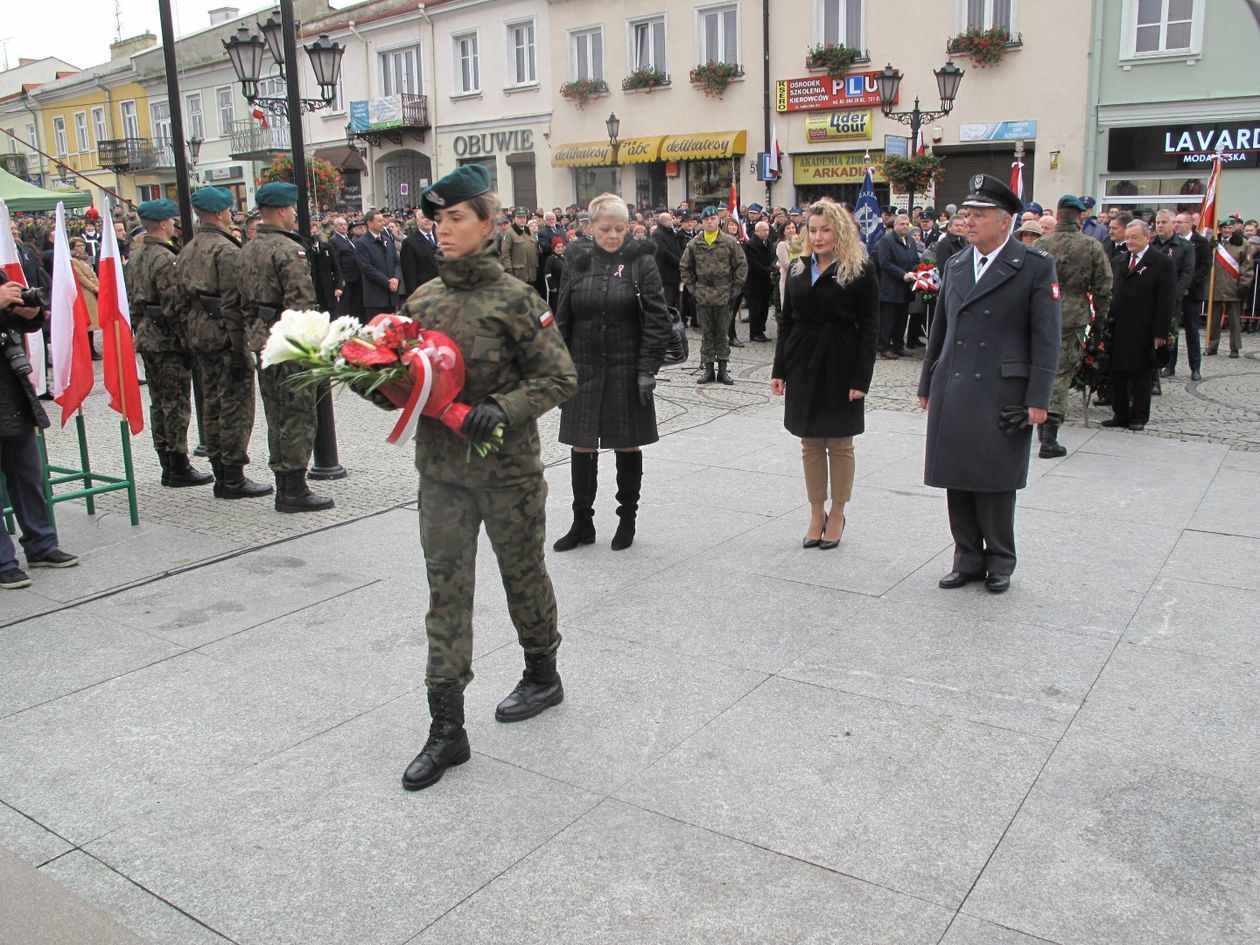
{"x":1114,"y":422}
{"x":736,"y":343}
{"x":810,"y":542}
{"x":759,"y":337}
{"x":1137,"y":427}
{"x":1196,"y":376}
{"x":997,"y":583}
{"x":957,"y":579}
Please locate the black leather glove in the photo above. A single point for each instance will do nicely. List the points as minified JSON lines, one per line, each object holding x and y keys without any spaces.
{"x":481,"y":421}
{"x":1013,"y":418}
{"x":240,"y":369}
{"x":647,"y":384}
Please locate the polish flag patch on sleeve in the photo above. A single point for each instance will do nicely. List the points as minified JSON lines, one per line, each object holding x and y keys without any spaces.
{"x":1054,"y":290}
{"x":545,"y":319}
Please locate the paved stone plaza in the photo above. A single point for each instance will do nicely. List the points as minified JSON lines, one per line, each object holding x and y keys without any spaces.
{"x":202,"y":727}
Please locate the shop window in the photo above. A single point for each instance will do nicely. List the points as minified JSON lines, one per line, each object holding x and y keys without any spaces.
{"x":718,"y":32}
{"x":840,"y":23}
{"x":522,"y":54}
{"x":467,"y":64}
{"x":708,"y":182}
{"x":647,"y":44}
{"x":1161,"y":28}
{"x":491,"y":166}
{"x":985,"y":15}
{"x":586,"y":53}
{"x":590,"y":182}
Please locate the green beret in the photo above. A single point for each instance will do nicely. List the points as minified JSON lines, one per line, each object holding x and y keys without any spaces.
{"x":157,"y":210}
{"x":1070,"y":201}
{"x":276,"y":194}
{"x":212,"y":199}
{"x":463,"y":183}
{"x":708,"y":212}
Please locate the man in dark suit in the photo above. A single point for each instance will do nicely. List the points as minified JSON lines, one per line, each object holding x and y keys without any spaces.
{"x":419,"y":255}
{"x":325,"y":271}
{"x":1142,"y":305}
{"x":669,"y":249}
{"x":377,"y":256}
{"x":1192,"y":302}
{"x":758,"y":285}
{"x":350,"y":302}
{"x":895,"y":259}
{"x":992,"y":353}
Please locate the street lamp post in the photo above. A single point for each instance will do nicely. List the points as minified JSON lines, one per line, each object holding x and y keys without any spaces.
{"x":948,"y":78}
{"x":613,"y":126}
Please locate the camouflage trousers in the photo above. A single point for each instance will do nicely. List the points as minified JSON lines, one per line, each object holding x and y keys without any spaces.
{"x":227,"y":410}
{"x":290,"y":413}
{"x":1071,"y":351}
{"x":169,"y":378}
{"x":516,"y":523}
{"x":715,"y":330}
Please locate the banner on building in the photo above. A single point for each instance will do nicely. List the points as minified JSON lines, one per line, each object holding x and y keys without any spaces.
{"x":814,"y":93}
{"x":375,"y":114}
{"x":843,"y":167}
{"x":839,"y":126}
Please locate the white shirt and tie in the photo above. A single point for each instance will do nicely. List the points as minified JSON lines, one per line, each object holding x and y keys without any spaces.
{"x":983,"y":263}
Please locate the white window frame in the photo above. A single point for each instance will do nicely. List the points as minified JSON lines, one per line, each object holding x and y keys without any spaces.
{"x":652,"y":21}
{"x":82,"y":141}
{"x":820,"y":20}
{"x":60,"y":141}
{"x":196,"y":124}
{"x":1128,"y":35}
{"x":272,"y":87}
{"x":100,"y":127}
{"x":575,"y":72}
{"x":961,"y":25}
{"x":338,"y":106}
{"x":225,"y":127}
{"x":387,"y":74}
{"x":130,"y":118}
{"x":702,"y":53}
{"x":466,"y":63}
{"x":31,"y":134}
{"x":516,"y":77}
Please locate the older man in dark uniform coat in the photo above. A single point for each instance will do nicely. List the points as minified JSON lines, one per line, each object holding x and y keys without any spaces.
{"x":994,"y":345}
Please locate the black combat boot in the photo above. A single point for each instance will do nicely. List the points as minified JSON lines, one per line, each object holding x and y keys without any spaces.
{"x":447,"y":745}
{"x":1050,"y":446}
{"x":180,"y":472}
{"x":217,"y":468}
{"x":707,"y":377}
{"x":292,"y":495}
{"x":236,"y":486}
{"x":723,"y":375}
{"x":629,"y":485}
{"x":584,"y":471}
{"x":538,"y":689}
{"x":165,"y":459}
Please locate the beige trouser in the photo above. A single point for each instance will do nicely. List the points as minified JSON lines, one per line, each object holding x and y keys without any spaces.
{"x":822,"y":455}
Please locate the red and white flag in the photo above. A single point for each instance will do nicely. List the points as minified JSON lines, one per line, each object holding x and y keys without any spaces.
{"x":1017,"y":179}
{"x":775,"y":151}
{"x":733,"y":204}
{"x":11,"y":262}
{"x":1227,"y":262}
{"x":118,"y":349}
{"x":260,"y":116}
{"x":1207,"y":214}
{"x":71,"y":347}
{"x":919,"y":146}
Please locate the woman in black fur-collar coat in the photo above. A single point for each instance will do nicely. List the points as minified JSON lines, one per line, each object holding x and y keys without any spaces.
{"x":617,"y":341}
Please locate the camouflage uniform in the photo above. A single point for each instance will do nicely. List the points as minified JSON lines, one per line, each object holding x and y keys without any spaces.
{"x":518,"y":252}
{"x":1083,"y":269}
{"x":274,"y":273}
{"x":515,"y":357}
{"x":714,"y":275}
{"x":160,"y":339}
{"x":209,"y":270}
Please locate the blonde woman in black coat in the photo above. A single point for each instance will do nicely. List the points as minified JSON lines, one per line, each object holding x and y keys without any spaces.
{"x":613,"y":318}
{"x":824,"y":359}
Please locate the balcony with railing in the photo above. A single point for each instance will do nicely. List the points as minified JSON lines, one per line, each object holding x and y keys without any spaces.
{"x":126,"y":154}
{"x":253,"y":142}
{"x":389,"y":118}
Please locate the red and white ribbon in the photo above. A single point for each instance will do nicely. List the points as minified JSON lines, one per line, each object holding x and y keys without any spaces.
{"x":418,"y":360}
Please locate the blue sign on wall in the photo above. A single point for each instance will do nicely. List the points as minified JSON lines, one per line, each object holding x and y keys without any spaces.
{"x":998,"y":131}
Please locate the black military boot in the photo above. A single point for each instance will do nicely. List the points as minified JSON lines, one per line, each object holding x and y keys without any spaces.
{"x":165,"y":459}
{"x":539,"y":689}
{"x":292,"y":495}
{"x":447,"y":745}
{"x":1050,"y":446}
{"x":217,"y":468}
{"x":723,"y":375}
{"x":235,"y":485}
{"x":629,"y":485}
{"x":707,"y":376}
{"x":584,"y":471}
{"x":180,"y":473}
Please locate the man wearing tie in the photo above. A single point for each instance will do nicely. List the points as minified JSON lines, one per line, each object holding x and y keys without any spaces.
{"x":419,"y":255}
{"x":378,"y":262}
{"x":350,"y":302}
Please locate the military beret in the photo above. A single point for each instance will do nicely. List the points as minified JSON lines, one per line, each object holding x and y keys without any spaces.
{"x":1089,"y":202}
{"x":1068,"y":201}
{"x":708,"y":212}
{"x":157,"y":210}
{"x":754,"y":208}
{"x":276,"y":194}
{"x":212,"y":199}
{"x":988,"y":192}
{"x":463,"y":183}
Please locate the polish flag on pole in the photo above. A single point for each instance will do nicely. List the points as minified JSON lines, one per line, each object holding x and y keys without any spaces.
{"x":773,"y":164}
{"x":71,"y":347}
{"x":1207,"y":215}
{"x":919,"y":146}
{"x":118,"y":350}
{"x":11,"y":262}
{"x":733,"y":205}
{"x":1017,"y":179}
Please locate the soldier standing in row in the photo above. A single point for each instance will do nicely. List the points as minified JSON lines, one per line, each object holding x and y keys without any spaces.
{"x":713,"y":269}
{"x":276,"y":275}
{"x":209,"y":268}
{"x":1083,"y":271}
{"x":157,"y":307}
{"x":519,"y":250}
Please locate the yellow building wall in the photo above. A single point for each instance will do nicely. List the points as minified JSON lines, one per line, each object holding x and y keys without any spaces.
{"x":111,"y":99}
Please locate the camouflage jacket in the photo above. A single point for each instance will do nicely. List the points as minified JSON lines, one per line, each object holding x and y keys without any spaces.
{"x":513,"y":354}
{"x":518,"y":252}
{"x":1083,"y":267}
{"x":152,"y":281}
{"x":274,"y":272}
{"x":714,"y":274}
{"x":209,"y":269}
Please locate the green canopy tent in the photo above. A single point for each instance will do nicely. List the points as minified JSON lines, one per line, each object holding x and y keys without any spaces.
{"x":17,"y":194}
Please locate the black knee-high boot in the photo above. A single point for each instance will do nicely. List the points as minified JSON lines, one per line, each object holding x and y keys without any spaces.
{"x":629,"y":486}
{"x":584,"y":469}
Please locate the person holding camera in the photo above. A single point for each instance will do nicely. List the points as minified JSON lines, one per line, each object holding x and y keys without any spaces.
{"x":22,"y":312}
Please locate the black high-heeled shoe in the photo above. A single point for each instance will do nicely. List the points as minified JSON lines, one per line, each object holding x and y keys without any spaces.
{"x":825,"y":545}
{"x":808,"y":542}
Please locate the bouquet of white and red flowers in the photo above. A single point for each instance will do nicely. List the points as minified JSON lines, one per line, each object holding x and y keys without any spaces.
{"x":417,"y":370}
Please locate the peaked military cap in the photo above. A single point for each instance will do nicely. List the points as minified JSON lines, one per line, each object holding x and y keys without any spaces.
{"x":463,"y":183}
{"x":276,"y":194}
{"x":157,"y":210}
{"x":212,"y":199}
{"x":989,"y":192}
{"x":754,"y":208}
{"x":1089,"y":202}
{"x":520,"y":212}
{"x":795,"y":210}
{"x":1069,"y":201}
{"x":708,"y":212}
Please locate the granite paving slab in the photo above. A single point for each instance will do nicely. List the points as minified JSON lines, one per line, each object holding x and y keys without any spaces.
{"x":25,"y":602}
{"x":625,"y":876}
{"x":1193,"y":617}
{"x":1230,"y":506}
{"x":903,"y":797}
{"x":1137,"y":449}
{"x":1226,"y":560}
{"x":29,"y":840}
{"x":718,"y":489}
{"x":968,"y":931}
{"x":321,"y":844}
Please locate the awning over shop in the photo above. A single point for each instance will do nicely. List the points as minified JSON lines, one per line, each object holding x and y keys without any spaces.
{"x":342,"y":157}
{"x":17,"y":194}
{"x":704,"y":146}
{"x":599,"y":153}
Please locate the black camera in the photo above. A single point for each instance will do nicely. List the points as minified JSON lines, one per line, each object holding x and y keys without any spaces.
{"x":32,"y":298}
{"x":14,"y":351}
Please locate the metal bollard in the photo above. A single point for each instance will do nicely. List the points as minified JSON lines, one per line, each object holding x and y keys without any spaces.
{"x":326,"y":464}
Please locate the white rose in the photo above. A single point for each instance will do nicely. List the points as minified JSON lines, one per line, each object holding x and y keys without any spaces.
{"x":279,"y":349}
{"x":306,"y":330}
